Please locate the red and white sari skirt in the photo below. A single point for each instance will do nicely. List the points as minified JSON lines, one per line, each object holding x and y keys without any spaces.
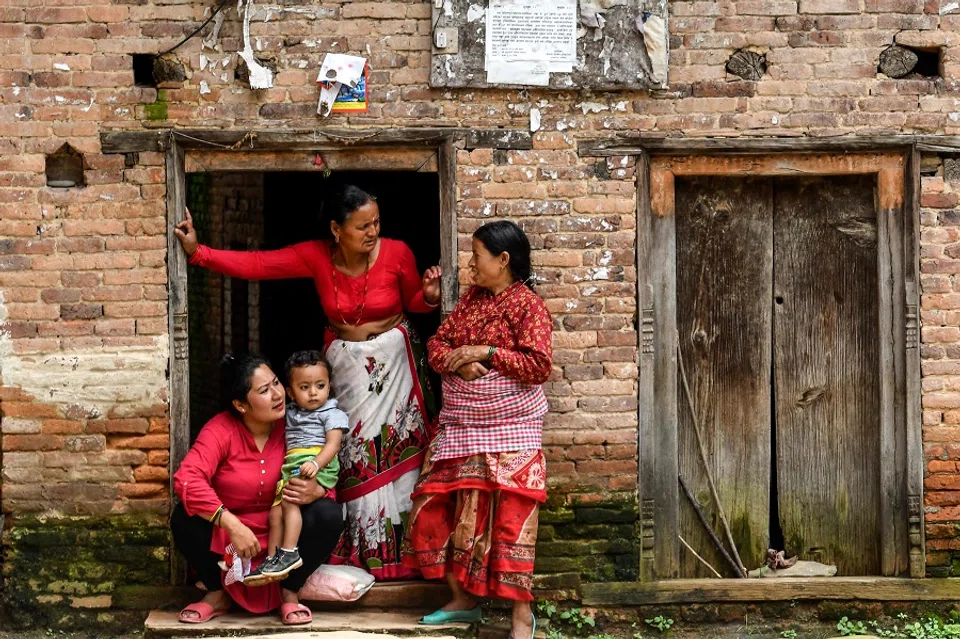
{"x":477,"y":518}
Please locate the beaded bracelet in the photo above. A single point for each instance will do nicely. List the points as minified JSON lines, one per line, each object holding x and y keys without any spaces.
{"x":493,"y":349}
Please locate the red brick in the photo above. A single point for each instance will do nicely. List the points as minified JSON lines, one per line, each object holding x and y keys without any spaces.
{"x":31,"y":442}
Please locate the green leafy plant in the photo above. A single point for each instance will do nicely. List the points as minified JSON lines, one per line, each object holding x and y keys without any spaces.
{"x":847,"y":628}
{"x":602,"y":635}
{"x":931,"y":628}
{"x":553,"y":633}
{"x":660,"y":623}
{"x":576,"y":618}
{"x":789,"y":634}
{"x":546,"y":609}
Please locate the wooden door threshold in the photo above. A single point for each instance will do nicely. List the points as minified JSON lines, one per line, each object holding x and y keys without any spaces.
{"x":678,"y":591}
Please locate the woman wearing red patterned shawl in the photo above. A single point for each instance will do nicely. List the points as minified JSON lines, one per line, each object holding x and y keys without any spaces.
{"x":366,"y":285}
{"x":476,"y":504}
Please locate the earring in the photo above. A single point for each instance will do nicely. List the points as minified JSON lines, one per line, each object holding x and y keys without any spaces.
{"x":336,"y":238}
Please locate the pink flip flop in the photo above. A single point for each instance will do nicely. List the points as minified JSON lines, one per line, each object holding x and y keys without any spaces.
{"x":288,"y":609}
{"x":205,"y":613}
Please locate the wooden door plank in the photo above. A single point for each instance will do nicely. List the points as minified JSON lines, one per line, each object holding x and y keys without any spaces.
{"x":826,"y":363}
{"x":449,"y":281}
{"x":647,"y":417}
{"x":179,"y":335}
{"x":657,"y":298}
{"x":724,"y":282}
{"x":893,"y":445}
{"x":911,"y":420}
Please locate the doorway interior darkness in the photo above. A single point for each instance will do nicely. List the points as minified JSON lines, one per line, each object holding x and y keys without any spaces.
{"x":270,"y":210}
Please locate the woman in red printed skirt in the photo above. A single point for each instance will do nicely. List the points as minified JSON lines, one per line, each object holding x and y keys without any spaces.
{"x":475,"y":508}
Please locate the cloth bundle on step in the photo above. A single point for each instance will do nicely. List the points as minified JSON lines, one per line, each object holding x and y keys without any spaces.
{"x":337,"y":583}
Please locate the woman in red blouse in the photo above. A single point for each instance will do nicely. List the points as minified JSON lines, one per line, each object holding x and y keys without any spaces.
{"x":226,"y":487}
{"x":475,"y":509}
{"x":366,"y":283}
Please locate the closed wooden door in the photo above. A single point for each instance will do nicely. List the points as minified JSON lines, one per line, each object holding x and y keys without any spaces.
{"x":777,"y":316}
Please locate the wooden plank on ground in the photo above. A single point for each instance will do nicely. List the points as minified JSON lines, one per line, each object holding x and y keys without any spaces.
{"x":724,"y":280}
{"x":679,"y":591}
{"x":826,"y":363}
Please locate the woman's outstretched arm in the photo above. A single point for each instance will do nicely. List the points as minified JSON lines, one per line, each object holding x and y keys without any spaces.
{"x":283,"y":263}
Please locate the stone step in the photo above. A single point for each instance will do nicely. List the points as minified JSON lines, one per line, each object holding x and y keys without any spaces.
{"x":339,"y":634}
{"x":162,"y":623}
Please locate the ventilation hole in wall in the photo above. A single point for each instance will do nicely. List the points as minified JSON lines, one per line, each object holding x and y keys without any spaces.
{"x":897,"y":61}
{"x":930,"y":62}
{"x":64,"y":168}
{"x":143,"y":70}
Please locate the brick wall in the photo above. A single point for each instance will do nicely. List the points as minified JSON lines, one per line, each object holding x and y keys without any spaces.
{"x":82,"y":271}
{"x":940,"y":316}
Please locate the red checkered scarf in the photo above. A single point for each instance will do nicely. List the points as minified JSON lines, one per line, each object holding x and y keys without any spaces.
{"x":491,"y":400}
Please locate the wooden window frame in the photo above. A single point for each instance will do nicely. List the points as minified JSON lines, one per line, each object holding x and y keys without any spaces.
{"x":902,"y":536}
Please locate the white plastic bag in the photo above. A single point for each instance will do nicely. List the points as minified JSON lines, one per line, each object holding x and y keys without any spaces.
{"x":336,"y":583}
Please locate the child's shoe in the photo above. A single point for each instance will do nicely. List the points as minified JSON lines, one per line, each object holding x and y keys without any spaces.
{"x":258,"y":577}
{"x":283,"y":563}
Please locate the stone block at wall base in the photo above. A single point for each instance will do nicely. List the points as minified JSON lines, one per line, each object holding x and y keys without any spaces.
{"x":69,"y":573}
{"x":598,"y":541}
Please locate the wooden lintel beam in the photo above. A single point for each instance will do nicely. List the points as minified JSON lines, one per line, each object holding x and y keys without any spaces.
{"x":311,"y":140}
{"x":633,"y":145}
{"x":780,"y":164}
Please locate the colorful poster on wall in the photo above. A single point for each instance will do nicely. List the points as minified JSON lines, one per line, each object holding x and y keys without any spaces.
{"x":353,"y":99}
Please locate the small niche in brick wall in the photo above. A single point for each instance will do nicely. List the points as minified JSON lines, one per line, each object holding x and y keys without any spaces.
{"x":898,"y":61}
{"x":64,"y":168}
{"x":143,"y":70}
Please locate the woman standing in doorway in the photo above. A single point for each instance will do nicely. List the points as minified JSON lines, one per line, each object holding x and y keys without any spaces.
{"x":366,"y":283}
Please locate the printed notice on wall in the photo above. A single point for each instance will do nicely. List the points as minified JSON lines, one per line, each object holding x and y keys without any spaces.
{"x":528,"y":39}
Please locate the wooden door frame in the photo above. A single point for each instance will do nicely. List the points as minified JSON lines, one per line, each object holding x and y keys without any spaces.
{"x":440,"y":159}
{"x":902,"y":535}
{"x":420,"y":149}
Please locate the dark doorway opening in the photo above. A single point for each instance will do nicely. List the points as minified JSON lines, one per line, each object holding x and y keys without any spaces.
{"x":271,"y":210}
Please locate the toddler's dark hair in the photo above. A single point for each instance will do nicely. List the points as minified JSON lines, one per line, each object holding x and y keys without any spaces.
{"x":301,"y":359}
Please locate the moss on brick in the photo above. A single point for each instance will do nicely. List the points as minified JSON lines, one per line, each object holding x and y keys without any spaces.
{"x":155,"y":111}
{"x":65,"y":573}
{"x":598,"y":541}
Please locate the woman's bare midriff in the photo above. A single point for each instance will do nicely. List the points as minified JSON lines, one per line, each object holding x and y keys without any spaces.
{"x":366,"y":330}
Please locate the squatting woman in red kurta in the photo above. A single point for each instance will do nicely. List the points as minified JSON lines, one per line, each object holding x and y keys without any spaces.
{"x":366,"y":283}
{"x":226,"y":485}
{"x":475,"y":509}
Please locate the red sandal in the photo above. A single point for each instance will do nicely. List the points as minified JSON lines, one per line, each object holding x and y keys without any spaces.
{"x":288,"y":609}
{"x":205,"y":612}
